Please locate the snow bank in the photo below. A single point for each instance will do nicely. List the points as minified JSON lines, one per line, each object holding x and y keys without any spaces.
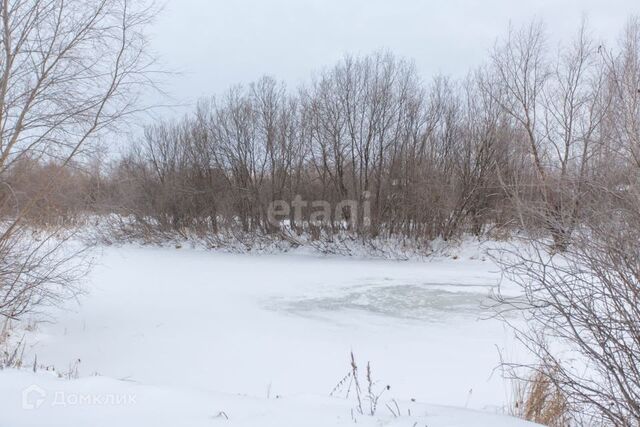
{"x":38,"y":399}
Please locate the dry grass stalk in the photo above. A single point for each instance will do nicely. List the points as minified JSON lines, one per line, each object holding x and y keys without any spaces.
{"x":541,"y":401}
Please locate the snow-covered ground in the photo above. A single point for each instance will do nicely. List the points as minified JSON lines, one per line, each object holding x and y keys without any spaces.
{"x":190,"y":337}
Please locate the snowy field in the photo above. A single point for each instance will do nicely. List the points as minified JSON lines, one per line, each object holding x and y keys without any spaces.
{"x":168,"y":337}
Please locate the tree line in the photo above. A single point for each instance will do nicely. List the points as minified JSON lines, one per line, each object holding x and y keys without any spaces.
{"x":526,"y":140}
{"x":522,"y":142}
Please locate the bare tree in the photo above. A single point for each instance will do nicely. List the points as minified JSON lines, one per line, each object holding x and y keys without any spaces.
{"x":70,"y":71}
{"x":559,"y":105}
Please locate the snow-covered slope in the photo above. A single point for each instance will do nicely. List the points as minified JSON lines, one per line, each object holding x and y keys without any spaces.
{"x":40,"y":399}
{"x":198,"y":337}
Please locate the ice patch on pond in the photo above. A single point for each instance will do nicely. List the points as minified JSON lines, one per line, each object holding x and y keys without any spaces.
{"x":432,"y":302}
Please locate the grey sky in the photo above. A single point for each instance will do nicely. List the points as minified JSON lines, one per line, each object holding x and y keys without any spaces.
{"x":217,"y":43}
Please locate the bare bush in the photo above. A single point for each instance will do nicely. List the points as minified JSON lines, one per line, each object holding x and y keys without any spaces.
{"x":582,"y":314}
{"x":581,"y":305}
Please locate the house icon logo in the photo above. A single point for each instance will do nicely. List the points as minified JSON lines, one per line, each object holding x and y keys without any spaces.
{"x":33,"y":397}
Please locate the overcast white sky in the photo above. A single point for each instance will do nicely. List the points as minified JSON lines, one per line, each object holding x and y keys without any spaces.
{"x":218,"y":43}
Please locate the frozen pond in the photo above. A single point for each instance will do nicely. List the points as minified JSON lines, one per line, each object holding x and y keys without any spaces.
{"x":284,"y":324}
